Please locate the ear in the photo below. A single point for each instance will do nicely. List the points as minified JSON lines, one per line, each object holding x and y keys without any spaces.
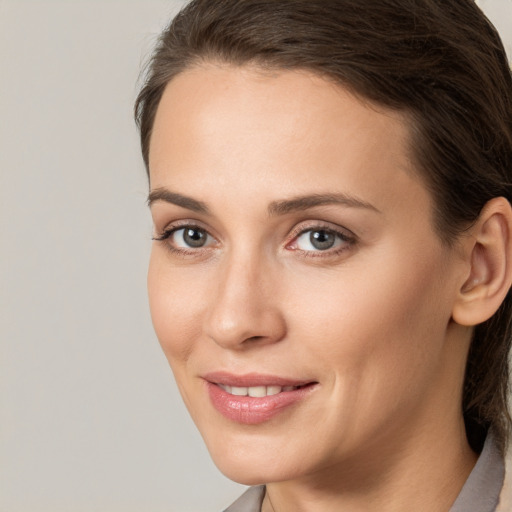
{"x":488,"y":251}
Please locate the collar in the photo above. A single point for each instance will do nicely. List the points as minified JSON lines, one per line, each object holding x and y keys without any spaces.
{"x":481,"y":492}
{"x":505,"y":504}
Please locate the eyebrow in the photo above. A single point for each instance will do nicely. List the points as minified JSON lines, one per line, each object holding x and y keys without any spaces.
{"x":162,"y":194}
{"x":310,"y":201}
{"x":275,"y":208}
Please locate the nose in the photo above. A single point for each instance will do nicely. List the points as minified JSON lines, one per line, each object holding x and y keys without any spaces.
{"x":245,"y":309}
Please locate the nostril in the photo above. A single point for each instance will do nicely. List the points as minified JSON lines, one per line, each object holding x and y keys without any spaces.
{"x":255,"y":338}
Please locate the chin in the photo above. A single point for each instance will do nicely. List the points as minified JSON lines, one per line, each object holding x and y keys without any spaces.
{"x":254,"y":463}
{"x":254,"y":473}
{"x":244,"y":475}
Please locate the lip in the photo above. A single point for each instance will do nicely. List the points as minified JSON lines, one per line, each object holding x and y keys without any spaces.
{"x":250,"y":410}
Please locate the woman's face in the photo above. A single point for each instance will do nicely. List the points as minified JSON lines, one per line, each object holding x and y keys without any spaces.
{"x":296,"y":285}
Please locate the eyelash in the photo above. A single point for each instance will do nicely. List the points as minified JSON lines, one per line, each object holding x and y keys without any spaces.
{"x":348,"y":240}
{"x":169,"y":232}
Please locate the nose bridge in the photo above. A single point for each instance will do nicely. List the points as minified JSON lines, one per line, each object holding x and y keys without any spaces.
{"x":245,"y":305}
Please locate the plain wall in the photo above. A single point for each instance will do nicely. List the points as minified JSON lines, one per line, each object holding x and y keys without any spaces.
{"x":90,"y":419}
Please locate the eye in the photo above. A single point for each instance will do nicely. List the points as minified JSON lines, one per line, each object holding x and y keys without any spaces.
{"x":320,"y":239}
{"x":186,"y":237}
{"x":192,"y":237}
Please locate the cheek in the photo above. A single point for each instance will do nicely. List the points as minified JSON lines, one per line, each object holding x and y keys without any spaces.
{"x":376,"y":340}
{"x":381,"y":320}
{"x":175,"y":301}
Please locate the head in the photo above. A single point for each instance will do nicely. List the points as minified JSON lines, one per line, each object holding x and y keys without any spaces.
{"x":439,"y":67}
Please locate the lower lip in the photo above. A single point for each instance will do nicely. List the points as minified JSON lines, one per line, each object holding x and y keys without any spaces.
{"x":250,"y":410}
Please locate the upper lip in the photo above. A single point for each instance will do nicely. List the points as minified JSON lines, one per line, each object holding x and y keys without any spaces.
{"x":253,"y":379}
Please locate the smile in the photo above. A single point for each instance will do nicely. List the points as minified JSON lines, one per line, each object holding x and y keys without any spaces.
{"x":255,"y":399}
{"x":257,"y":391}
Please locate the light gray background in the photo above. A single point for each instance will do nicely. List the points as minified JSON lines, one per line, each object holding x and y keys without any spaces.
{"x":90,"y":419}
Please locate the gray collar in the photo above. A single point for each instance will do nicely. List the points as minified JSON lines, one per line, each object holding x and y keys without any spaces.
{"x":250,"y":501}
{"x":480,"y":493}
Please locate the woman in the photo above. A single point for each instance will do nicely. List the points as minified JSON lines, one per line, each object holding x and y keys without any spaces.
{"x":330,"y":187}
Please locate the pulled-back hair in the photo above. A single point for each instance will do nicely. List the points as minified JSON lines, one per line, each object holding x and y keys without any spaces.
{"x":440,"y":62}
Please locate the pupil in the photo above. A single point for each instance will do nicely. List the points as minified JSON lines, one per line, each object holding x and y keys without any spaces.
{"x":321,"y":239}
{"x":194,"y":237}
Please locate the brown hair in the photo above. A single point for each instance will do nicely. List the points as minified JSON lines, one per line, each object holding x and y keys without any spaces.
{"x":439,"y":61}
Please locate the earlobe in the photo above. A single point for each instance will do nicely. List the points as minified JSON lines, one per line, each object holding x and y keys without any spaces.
{"x":489,"y":256}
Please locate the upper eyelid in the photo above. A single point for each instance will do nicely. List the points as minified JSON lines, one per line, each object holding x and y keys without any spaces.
{"x":339,"y":233}
{"x":186,"y":223}
{"x":321,"y":225}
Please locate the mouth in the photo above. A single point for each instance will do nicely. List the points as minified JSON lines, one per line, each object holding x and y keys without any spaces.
{"x":260,"y":391}
{"x":254,"y":399}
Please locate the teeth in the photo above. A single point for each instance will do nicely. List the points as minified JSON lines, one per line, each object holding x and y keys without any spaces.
{"x":239,"y":391}
{"x":273,"y":390}
{"x":256,"y":391}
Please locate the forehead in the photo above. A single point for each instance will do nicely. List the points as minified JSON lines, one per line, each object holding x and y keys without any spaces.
{"x":289,"y":130}
{"x":250,"y":99}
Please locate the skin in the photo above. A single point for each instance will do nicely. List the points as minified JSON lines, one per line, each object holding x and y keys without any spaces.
{"x":370,"y":321}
